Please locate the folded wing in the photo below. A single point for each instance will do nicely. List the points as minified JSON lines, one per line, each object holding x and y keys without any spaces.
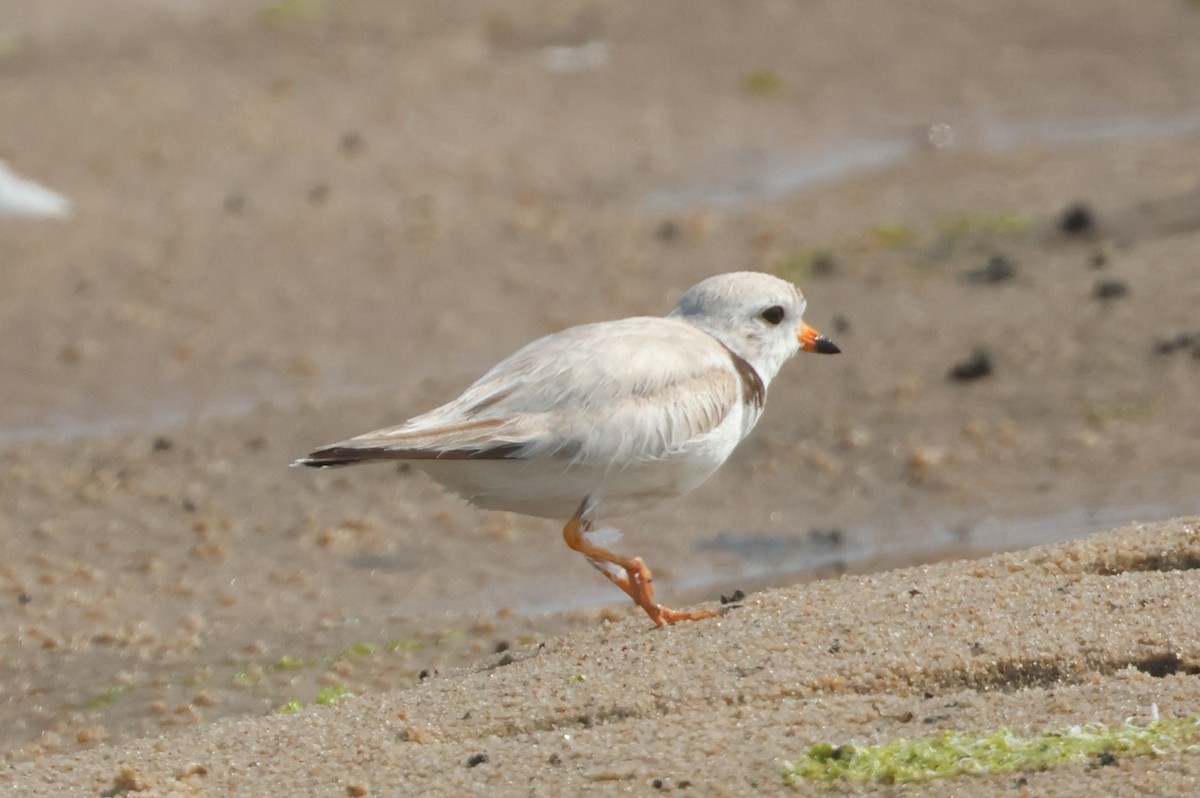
{"x":637,"y":389}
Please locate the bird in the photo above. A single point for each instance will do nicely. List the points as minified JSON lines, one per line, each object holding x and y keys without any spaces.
{"x":608,"y":418}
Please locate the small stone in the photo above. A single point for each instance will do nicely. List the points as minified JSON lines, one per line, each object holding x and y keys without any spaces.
{"x":1165,"y":346}
{"x":1077,"y":220}
{"x":856,"y":438}
{"x":1110,"y":289}
{"x":998,"y":269}
{"x":923,"y":460}
{"x":975,"y":367}
{"x":318,"y":194}
{"x":822,"y":264}
{"x":352,"y":143}
{"x":191,"y":769}
{"x":828,"y":536}
{"x":129,"y":780}
{"x":81,"y":350}
{"x":91,"y":735}
{"x":235,"y":204}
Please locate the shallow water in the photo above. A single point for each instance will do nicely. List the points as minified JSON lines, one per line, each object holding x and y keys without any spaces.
{"x":767,"y":561}
{"x":754,"y":175}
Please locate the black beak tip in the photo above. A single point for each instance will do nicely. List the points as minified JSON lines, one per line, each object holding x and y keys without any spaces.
{"x":826,"y":347}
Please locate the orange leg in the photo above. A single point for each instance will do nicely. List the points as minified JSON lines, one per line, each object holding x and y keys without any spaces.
{"x":637,"y":581}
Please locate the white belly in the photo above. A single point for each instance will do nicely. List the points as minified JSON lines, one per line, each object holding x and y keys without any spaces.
{"x":555,"y":488}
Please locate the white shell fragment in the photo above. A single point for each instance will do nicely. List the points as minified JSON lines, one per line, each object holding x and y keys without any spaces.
{"x":20,"y":197}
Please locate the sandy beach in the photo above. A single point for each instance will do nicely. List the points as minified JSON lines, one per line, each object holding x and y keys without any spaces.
{"x":298,"y":221}
{"x":1097,"y":632}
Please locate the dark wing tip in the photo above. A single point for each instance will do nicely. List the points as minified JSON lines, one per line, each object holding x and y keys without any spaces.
{"x":333,"y":456}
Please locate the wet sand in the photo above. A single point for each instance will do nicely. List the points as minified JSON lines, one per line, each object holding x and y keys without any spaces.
{"x":299,"y":223}
{"x":1096,"y":632}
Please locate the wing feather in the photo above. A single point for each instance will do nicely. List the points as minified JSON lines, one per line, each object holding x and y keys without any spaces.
{"x":632,"y":390}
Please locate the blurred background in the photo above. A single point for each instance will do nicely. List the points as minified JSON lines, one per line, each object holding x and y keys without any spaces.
{"x":234,"y":231}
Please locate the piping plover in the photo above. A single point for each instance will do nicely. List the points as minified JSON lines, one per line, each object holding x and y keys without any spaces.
{"x":613,"y":417}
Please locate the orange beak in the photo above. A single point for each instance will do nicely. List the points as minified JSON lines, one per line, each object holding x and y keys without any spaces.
{"x":813,"y":341}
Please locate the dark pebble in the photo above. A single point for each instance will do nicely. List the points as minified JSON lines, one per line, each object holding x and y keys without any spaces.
{"x":975,"y":367}
{"x":734,"y":599}
{"x":657,"y":784}
{"x":1106,"y":758}
{"x":501,"y":647}
{"x":1167,"y":346}
{"x":24,"y":598}
{"x":1110,"y":289}
{"x":831,"y":536}
{"x":1077,"y":220}
{"x":162,"y":443}
{"x":997,"y":270}
{"x":1099,"y":260}
{"x":318,"y":194}
{"x":822,"y":265}
{"x":476,"y":759}
{"x":841,"y":324}
{"x":235,"y":204}
{"x":667,"y":232}
{"x":352,"y":143}
{"x":424,"y":674}
{"x":188,"y":505}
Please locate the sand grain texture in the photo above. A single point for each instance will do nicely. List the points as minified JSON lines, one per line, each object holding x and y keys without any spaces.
{"x":1087,"y":632}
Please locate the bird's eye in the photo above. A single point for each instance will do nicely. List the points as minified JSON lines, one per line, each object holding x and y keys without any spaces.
{"x":772,"y":315}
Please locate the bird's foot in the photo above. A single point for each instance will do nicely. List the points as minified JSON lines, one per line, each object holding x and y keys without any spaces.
{"x":628,"y":573}
{"x":662,"y":615}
